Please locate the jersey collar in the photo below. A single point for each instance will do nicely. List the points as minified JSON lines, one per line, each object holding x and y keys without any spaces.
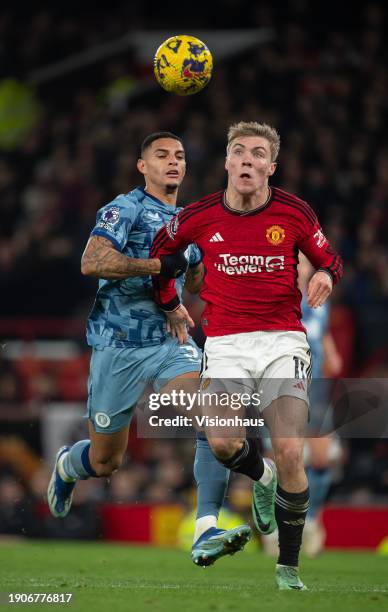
{"x":160,"y":202}
{"x":249,"y":213}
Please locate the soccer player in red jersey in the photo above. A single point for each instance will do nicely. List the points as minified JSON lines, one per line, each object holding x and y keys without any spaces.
{"x":250,"y":236}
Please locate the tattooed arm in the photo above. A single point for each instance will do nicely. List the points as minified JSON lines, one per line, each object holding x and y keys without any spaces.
{"x":102,"y":260}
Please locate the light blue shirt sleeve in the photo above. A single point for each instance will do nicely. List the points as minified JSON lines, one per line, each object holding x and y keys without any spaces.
{"x":115,"y":220}
{"x":195,"y":256}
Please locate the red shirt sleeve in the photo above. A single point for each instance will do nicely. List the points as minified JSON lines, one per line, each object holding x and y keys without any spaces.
{"x":171,"y":238}
{"x":317,"y":249}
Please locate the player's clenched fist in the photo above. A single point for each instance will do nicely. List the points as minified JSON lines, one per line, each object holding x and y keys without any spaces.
{"x":177,"y":322}
{"x":319,"y":289}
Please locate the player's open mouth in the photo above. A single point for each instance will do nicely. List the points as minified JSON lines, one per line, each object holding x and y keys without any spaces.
{"x":245,"y":175}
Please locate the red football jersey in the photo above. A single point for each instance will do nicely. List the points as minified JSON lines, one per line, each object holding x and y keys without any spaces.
{"x":250,"y":259}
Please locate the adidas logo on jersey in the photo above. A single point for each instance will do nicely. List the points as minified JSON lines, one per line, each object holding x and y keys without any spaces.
{"x":216,"y":238}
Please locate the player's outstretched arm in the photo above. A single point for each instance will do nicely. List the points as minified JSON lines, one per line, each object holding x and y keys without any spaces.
{"x":102,"y":260}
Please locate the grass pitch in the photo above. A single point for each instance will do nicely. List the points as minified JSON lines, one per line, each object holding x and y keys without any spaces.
{"x":111,"y":578}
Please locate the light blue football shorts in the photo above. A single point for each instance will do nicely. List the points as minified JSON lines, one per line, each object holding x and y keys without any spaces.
{"x":119,"y":377}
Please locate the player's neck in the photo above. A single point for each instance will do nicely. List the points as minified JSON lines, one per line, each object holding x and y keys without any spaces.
{"x":163,"y":195}
{"x":245,"y":202}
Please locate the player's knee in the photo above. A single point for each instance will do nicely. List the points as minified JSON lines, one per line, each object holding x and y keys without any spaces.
{"x":289,"y":459}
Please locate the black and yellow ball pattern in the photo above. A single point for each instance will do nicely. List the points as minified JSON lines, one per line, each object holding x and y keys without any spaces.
{"x":183,"y":65}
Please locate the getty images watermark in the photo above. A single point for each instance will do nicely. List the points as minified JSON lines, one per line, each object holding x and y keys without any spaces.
{"x":348,"y":408}
{"x":200,"y":401}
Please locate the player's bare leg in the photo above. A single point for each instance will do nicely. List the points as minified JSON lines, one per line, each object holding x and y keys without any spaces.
{"x":287,"y":418}
{"x":107,"y":450}
{"x":187,"y":382}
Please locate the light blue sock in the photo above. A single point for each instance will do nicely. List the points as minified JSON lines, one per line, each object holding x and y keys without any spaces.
{"x":76,"y":462}
{"x":211,"y":478}
{"x":319,"y":484}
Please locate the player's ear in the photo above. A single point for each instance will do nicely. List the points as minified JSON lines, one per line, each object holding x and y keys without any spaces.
{"x":226,"y":163}
{"x":272,"y":168}
{"x":141,"y":165}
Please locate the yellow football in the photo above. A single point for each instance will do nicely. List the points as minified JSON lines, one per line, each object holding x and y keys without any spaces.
{"x":183,"y":65}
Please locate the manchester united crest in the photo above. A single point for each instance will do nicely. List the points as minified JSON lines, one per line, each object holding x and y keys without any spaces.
{"x":275,"y":234}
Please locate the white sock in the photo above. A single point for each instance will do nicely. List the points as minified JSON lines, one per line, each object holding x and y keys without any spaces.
{"x":61,"y":470}
{"x":203,"y":524}
{"x":267,"y":474}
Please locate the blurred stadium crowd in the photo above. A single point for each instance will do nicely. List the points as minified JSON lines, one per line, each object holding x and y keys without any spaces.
{"x":70,"y":144}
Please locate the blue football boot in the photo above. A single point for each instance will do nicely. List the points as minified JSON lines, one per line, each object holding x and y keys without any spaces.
{"x":60,"y":492}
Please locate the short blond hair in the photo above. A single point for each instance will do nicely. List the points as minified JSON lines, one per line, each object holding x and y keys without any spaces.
{"x":253,"y":128}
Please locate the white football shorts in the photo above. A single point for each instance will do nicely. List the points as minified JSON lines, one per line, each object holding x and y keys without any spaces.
{"x":273,"y":363}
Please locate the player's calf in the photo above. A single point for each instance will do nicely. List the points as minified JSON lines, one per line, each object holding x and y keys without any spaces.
{"x":292,"y":498}
{"x":106,"y":451}
{"x":106,"y":466}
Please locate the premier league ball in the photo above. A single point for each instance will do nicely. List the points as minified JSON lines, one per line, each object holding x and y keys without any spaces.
{"x":183,"y":65}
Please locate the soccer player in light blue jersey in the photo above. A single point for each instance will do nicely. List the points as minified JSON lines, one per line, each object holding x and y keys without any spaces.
{"x":131,"y":344}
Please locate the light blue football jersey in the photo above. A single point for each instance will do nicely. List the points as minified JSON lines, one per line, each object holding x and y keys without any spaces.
{"x":124,"y":313}
{"x":316,"y":322}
